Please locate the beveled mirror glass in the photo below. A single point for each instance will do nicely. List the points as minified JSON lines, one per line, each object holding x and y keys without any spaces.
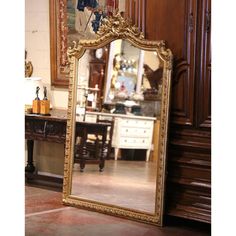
{"x":117,"y":131}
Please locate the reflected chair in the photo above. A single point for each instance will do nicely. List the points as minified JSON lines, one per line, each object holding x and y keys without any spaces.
{"x":93,"y":143}
{"x":108,"y":142}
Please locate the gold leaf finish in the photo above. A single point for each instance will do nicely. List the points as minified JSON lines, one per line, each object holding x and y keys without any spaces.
{"x":116,"y":27}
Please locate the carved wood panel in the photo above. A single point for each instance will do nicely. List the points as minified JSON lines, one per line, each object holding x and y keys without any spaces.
{"x":189,"y":175}
{"x":191,"y":202}
{"x":45,"y":130}
{"x":175,"y":22}
{"x":203,"y":101}
{"x":136,"y":10}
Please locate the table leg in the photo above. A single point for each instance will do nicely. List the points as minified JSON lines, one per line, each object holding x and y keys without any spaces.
{"x":102,"y":158}
{"x":116,"y":153}
{"x":82,"y":155}
{"x":30,"y":168}
{"x":83,"y":150}
{"x":148,"y":154}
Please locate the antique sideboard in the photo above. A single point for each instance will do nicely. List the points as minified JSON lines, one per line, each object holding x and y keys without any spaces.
{"x":43,"y":128}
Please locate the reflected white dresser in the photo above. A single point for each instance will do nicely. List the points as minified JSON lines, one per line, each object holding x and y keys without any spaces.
{"x":130,"y":132}
{"x":133,"y":132}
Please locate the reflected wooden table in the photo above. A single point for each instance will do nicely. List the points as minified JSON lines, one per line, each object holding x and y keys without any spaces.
{"x":97,"y":146}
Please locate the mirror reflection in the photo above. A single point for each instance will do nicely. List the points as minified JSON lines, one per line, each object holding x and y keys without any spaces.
{"x":118,"y":101}
{"x":132,"y":73}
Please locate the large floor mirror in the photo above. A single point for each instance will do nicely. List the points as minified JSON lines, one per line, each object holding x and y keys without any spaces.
{"x":117,"y":127}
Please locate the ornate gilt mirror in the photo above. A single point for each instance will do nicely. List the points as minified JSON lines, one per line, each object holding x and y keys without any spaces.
{"x":127,"y":113}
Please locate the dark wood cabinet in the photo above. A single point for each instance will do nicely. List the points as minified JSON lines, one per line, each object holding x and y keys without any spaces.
{"x":97,"y":70}
{"x":203,"y":97}
{"x":186,"y":27}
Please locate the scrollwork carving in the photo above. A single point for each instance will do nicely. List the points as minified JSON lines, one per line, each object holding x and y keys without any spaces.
{"x":117,"y":25}
{"x":112,"y":28}
{"x":63,"y":31}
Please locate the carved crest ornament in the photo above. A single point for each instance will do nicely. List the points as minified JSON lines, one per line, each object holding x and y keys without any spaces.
{"x":116,"y":27}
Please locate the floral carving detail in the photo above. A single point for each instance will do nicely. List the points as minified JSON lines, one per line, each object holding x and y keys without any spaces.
{"x":74,"y":49}
{"x":63,"y":32}
{"x":117,"y":25}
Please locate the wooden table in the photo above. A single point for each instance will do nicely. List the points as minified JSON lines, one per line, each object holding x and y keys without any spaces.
{"x":44,"y":128}
{"x":53,"y":129}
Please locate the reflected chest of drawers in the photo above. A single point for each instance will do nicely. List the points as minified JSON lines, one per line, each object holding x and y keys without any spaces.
{"x":133,"y":133}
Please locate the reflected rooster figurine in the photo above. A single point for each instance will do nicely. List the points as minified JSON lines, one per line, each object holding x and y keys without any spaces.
{"x":154,"y":77}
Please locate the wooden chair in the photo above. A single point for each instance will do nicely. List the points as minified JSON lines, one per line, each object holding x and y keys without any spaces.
{"x":93,"y":143}
{"x":109,"y":134}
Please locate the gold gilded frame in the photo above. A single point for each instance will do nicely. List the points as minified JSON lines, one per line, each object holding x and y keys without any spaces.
{"x":58,"y":43}
{"x":116,"y":27}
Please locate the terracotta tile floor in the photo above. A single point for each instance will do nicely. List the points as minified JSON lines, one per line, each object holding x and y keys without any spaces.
{"x":45,"y":215}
